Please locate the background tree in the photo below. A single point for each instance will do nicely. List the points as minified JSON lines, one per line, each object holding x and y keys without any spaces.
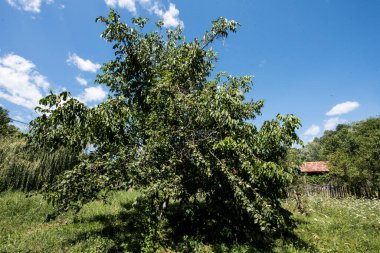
{"x":353,"y":153}
{"x":177,"y":135}
{"x":312,"y":152}
{"x":6,"y":128}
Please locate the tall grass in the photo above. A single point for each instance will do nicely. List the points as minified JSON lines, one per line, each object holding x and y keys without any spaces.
{"x":337,"y":225}
{"x":27,"y":168}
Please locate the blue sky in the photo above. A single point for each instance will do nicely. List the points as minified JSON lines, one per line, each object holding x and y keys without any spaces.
{"x":317,"y":59}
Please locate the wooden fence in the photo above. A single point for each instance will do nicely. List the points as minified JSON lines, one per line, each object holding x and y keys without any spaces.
{"x":335,"y":191}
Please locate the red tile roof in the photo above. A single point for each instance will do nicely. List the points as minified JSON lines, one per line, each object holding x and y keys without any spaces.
{"x":314,"y":167}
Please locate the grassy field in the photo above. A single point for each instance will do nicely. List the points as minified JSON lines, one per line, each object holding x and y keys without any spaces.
{"x":338,"y":225}
{"x":329,"y":225}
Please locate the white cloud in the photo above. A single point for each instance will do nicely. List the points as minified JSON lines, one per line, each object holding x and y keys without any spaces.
{"x":343,"y":108}
{"x":170,"y":16}
{"x":28,"y":5}
{"x":330,"y":124}
{"x":312,"y":131}
{"x":126,"y":4}
{"x":81,"y":80}
{"x":92,"y":94}
{"x":82,"y":64}
{"x":20,"y":82}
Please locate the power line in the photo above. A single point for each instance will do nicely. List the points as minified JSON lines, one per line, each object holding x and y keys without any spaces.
{"x":14,"y":120}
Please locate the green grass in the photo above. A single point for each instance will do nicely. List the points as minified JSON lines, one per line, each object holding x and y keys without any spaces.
{"x":339,"y":225}
{"x":329,"y":225}
{"x":23,"y":227}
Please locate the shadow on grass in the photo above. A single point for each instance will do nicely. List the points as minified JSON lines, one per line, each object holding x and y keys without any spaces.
{"x":183,"y":232}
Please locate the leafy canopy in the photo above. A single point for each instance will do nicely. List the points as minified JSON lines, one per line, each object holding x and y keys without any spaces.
{"x":173,"y":132}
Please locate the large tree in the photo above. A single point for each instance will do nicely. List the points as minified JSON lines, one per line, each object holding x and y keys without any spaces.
{"x":173,"y":131}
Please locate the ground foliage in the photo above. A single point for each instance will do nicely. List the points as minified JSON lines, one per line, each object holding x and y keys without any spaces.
{"x":337,"y":225}
{"x":328,"y":225}
{"x":182,"y":138}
